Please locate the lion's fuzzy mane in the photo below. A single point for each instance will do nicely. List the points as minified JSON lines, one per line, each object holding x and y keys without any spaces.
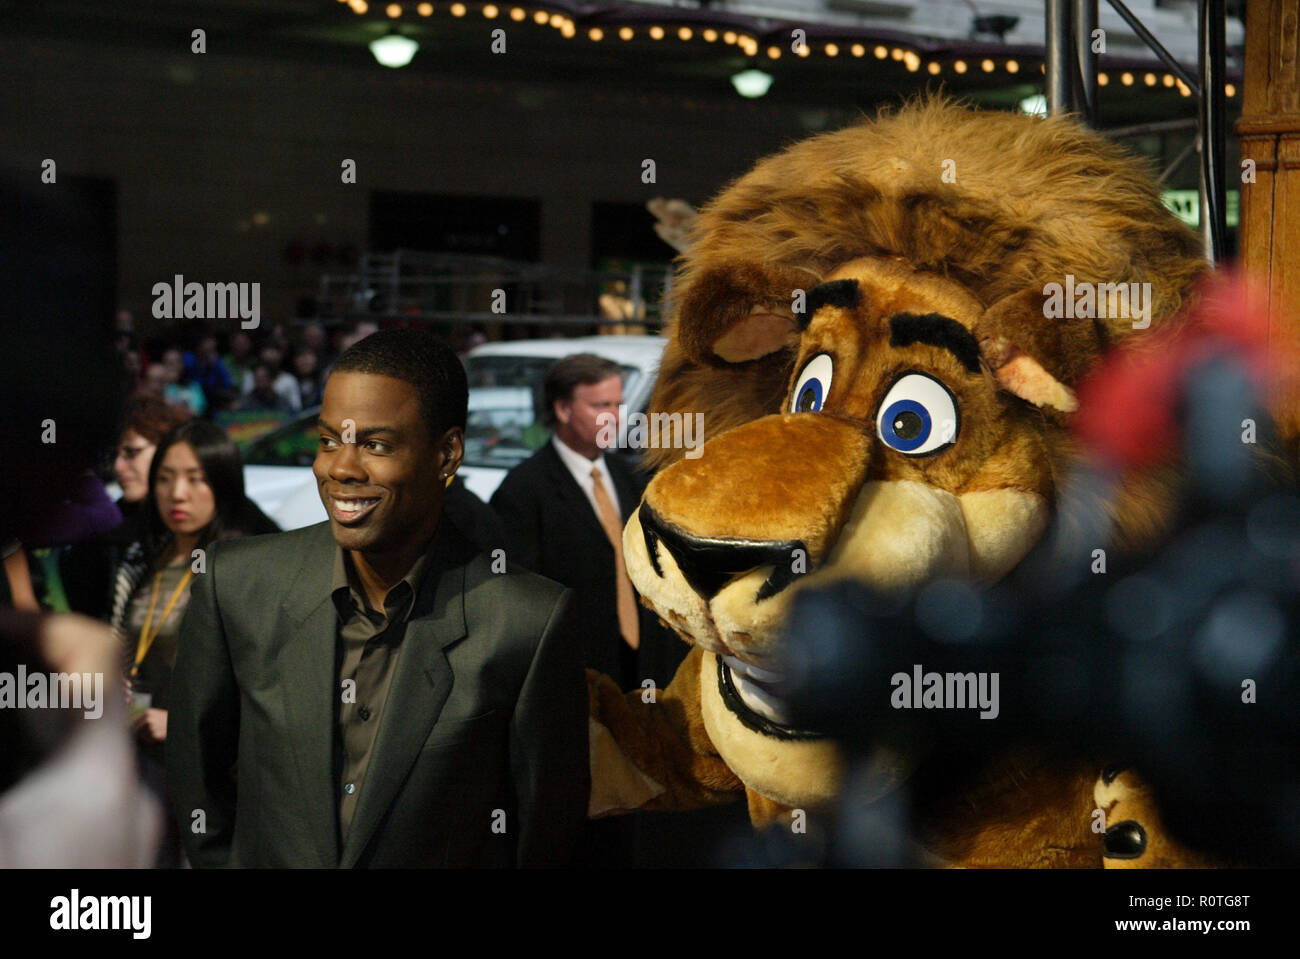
{"x":1032,"y":201}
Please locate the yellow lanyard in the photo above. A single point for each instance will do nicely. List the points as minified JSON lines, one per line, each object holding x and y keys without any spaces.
{"x":146,"y":637}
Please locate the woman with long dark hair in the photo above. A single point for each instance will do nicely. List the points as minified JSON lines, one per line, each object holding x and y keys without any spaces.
{"x":196,"y":484}
{"x":87,"y":568}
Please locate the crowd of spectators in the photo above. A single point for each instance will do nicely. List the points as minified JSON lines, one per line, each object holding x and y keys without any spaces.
{"x":279,"y":369}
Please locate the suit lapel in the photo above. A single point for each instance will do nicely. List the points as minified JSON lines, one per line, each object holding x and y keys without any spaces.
{"x":421,"y":683}
{"x":309,"y":686}
{"x":570,"y":492}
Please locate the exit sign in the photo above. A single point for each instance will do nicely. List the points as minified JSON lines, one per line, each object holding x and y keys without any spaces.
{"x":1186,"y":205}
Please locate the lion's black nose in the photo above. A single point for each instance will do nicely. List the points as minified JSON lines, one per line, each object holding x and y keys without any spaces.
{"x":710,"y":563}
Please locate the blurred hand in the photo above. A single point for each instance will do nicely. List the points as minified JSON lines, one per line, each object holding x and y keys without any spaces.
{"x":83,"y":807}
{"x":72,"y":643}
{"x":151,"y":727}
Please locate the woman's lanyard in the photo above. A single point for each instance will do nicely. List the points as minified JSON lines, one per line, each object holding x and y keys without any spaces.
{"x":146,"y":637}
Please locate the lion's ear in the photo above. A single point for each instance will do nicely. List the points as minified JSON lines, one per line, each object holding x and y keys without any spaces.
{"x":1019,"y":373}
{"x":738,"y":313}
{"x":1032,"y":356}
{"x":761,"y":332}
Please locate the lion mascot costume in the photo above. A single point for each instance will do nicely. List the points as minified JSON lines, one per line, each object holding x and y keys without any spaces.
{"x":862,"y":319}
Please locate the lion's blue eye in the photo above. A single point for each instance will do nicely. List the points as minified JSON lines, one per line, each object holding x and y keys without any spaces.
{"x":813,"y":385}
{"x":918,"y":416}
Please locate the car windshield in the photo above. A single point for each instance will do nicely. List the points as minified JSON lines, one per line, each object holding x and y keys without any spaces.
{"x":292,"y":445}
{"x":503,"y":427}
{"x":516,"y":371}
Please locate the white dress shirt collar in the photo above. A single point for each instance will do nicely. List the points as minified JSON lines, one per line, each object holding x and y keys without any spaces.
{"x":581,"y":468}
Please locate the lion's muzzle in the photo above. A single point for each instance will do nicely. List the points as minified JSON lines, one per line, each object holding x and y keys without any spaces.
{"x":709,"y":563}
{"x":713,"y":549}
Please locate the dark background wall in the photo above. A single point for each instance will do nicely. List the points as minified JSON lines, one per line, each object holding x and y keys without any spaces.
{"x":225,"y":166}
{"x":220,"y":163}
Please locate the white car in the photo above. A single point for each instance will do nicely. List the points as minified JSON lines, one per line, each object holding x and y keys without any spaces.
{"x":502,"y":428}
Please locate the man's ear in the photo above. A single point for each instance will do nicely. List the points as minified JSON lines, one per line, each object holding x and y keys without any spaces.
{"x":563,"y":409}
{"x":452,"y":450}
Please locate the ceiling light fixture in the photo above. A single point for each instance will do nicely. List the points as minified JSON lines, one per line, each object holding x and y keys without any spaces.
{"x":752,"y":83}
{"x":394,"y":50}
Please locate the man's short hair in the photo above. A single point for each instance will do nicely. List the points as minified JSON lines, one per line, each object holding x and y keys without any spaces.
{"x":580,"y":369}
{"x":421,"y":359}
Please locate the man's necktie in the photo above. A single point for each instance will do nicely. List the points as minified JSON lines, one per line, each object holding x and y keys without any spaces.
{"x":609,"y":518}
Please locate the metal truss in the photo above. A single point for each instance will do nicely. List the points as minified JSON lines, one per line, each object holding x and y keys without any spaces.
{"x":1071,"y":72}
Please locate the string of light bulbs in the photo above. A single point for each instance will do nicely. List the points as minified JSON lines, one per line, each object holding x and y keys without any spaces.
{"x":749,"y":43}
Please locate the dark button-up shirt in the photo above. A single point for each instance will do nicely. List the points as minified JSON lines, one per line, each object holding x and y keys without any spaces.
{"x":369,"y":643}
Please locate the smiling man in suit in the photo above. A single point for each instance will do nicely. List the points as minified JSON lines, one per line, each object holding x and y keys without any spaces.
{"x":372,"y":691}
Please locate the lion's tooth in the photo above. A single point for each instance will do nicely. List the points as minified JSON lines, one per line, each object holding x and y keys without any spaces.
{"x":756,"y":673}
{"x":759,"y":699}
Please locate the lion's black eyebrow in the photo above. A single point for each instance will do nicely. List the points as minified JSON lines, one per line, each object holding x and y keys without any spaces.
{"x":936,"y":330}
{"x":841,"y":293}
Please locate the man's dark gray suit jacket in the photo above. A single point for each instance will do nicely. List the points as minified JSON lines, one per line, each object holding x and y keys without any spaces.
{"x":481,"y":755}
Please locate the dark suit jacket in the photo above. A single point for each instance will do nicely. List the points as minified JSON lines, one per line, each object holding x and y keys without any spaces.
{"x":474,"y":518}
{"x":552,"y":529}
{"x":487,"y":711}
